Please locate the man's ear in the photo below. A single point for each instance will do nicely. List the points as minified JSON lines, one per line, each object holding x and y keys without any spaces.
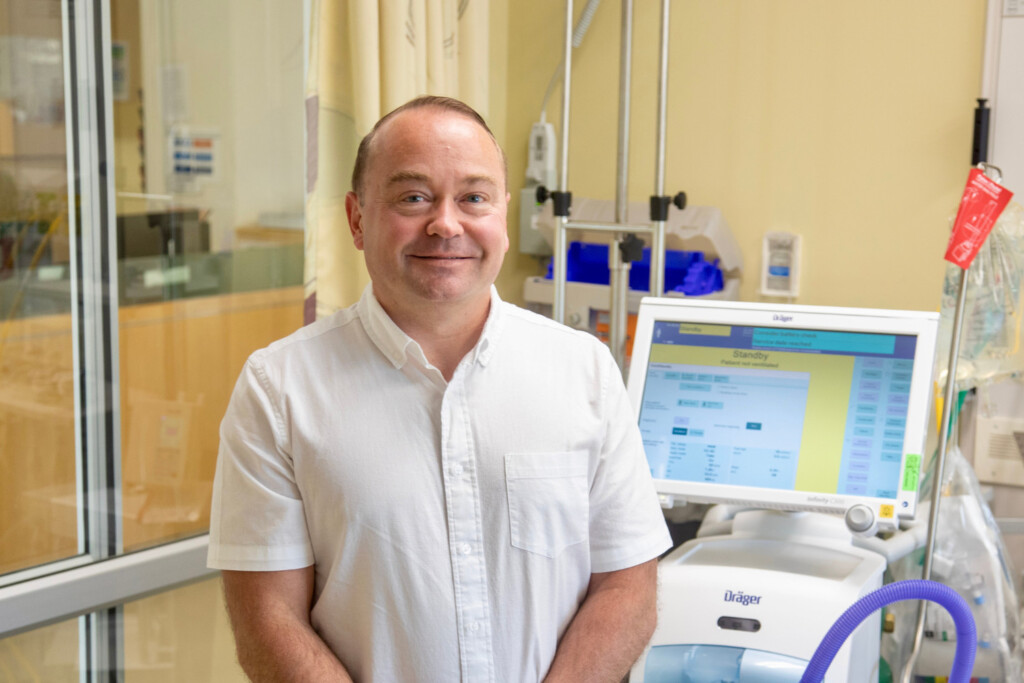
{"x":355,"y":219}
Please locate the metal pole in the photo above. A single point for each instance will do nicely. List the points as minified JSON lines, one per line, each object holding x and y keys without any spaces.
{"x":559,"y":269}
{"x":619,"y":314}
{"x":563,"y":182}
{"x":625,"y":75}
{"x":933,"y":516}
{"x":619,"y":282}
{"x":658,"y":243}
{"x":559,"y":266}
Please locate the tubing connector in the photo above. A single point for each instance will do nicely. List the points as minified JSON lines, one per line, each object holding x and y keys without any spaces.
{"x":562,"y":201}
{"x":660,"y":204}
{"x":631,"y":247}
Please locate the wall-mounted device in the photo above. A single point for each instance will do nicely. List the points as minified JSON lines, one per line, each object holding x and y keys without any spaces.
{"x":780,"y":265}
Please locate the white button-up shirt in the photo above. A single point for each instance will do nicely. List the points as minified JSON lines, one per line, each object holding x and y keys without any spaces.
{"x":454,"y":525}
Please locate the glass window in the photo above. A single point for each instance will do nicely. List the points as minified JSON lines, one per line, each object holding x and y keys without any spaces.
{"x":208,"y":144}
{"x":46,"y":654}
{"x":38,"y":493}
{"x":138,"y":270}
{"x":178,"y":635}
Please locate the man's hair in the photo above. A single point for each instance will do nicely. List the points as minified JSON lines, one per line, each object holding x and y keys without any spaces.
{"x":445,"y":103}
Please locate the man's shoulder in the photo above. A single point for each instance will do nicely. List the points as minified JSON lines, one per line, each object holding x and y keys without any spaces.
{"x":543,"y":330}
{"x":325,"y":333}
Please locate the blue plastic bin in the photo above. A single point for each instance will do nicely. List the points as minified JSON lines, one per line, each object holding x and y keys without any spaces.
{"x":685,"y":271}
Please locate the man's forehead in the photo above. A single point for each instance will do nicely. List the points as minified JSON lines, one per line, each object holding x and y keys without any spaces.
{"x":401,"y":176}
{"x":425,"y":117}
{"x":404,"y":123}
{"x":439,"y":112}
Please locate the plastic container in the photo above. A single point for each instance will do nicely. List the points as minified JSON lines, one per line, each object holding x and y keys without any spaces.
{"x":685,"y":271}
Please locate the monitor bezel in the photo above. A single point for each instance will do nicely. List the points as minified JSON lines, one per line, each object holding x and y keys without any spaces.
{"x":922,"y":325}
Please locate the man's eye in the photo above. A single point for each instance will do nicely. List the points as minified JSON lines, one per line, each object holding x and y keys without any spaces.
{"x":413,"y":199}
{"x":475,"y":198}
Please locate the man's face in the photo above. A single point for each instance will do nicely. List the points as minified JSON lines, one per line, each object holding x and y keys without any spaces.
{"x":431,"y":218}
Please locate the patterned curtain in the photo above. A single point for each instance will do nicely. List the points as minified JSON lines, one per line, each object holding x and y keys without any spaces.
{"x":367,"y":57}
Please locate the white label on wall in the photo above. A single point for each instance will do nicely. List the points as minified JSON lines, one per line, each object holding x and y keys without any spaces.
{"x":194,"y":157}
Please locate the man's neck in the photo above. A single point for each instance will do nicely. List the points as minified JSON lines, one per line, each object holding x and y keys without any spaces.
{"x":446,"y":332}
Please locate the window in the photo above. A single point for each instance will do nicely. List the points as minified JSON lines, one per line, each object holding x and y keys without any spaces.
{"x":38,"y":502}
{"x":178,"y":635}
{"x":151,"y":237}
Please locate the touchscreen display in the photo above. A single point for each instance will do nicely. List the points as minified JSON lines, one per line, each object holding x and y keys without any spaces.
{"x":780,"y":408}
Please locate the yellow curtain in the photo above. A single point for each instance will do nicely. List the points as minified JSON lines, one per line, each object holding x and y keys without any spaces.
{"x":367,"y":57}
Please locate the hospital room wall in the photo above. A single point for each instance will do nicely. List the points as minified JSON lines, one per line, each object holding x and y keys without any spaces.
{"x":847,"y":123}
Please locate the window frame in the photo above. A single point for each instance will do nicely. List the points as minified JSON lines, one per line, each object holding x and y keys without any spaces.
{"x":95,"y":586}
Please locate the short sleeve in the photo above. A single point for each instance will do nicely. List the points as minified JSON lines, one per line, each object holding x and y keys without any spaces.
{"x":257,"y":519}
{"x":627,"y":526}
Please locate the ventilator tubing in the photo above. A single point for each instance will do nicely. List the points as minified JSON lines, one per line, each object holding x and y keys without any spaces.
{"x":915,"y":589}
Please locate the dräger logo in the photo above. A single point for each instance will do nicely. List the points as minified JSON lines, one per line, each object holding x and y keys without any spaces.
{"x":782,"y":318}
{"x":742,"y":598}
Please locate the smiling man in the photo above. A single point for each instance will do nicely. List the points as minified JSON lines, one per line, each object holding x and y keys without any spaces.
{"x":434,"y":485}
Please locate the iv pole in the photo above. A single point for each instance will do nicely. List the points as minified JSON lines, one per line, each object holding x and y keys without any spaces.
{"x":940,"y":459}
{"x":937,"y":474}
{"x":619,"y":268}
{"x":626,"y":247}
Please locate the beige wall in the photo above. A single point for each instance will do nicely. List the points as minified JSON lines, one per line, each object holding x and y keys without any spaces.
{"x":847,"y":123}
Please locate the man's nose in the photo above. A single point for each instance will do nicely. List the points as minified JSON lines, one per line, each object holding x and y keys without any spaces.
{"x":444,"y":222}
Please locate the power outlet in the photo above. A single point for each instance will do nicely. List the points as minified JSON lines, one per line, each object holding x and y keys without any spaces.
{"x":999,"y":450}
{"x":780,"y":264}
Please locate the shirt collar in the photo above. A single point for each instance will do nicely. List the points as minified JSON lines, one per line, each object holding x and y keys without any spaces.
{"x":396,"y":345}
{"x":484,"y":348}
{"x":382,"y":330}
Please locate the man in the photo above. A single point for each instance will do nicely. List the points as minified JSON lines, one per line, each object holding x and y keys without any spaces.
{"x":433,"y":485}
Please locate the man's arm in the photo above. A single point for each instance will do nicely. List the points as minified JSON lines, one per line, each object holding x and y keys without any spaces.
{"x":611,"y":628}
{"x":270,"y":617}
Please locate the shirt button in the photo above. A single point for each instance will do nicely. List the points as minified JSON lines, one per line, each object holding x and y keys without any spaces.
{"x":475,"y":626}
{"x":456,"y":470}
{"x":465,"y":549}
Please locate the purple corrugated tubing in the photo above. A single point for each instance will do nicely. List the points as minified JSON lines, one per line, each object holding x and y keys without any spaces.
{"x":915,"y":589}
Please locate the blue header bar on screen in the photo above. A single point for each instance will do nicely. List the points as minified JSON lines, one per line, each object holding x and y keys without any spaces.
{"x":786,"y":339}
{"x":822,"y":340}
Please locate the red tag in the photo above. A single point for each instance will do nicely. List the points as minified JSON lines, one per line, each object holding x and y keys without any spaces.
{"x":983,"y":201}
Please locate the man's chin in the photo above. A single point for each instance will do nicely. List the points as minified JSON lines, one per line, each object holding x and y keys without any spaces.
{"x":442,"y":292}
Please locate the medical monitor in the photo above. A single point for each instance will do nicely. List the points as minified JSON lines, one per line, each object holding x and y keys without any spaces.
{"x":782,"y":406}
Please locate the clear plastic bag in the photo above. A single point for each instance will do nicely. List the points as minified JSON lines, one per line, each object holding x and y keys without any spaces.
{"x":990,"y":342}
{"x":971,"y":558}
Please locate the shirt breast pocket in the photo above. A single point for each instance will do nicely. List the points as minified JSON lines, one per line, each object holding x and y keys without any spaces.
{"x":548,"y":500}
